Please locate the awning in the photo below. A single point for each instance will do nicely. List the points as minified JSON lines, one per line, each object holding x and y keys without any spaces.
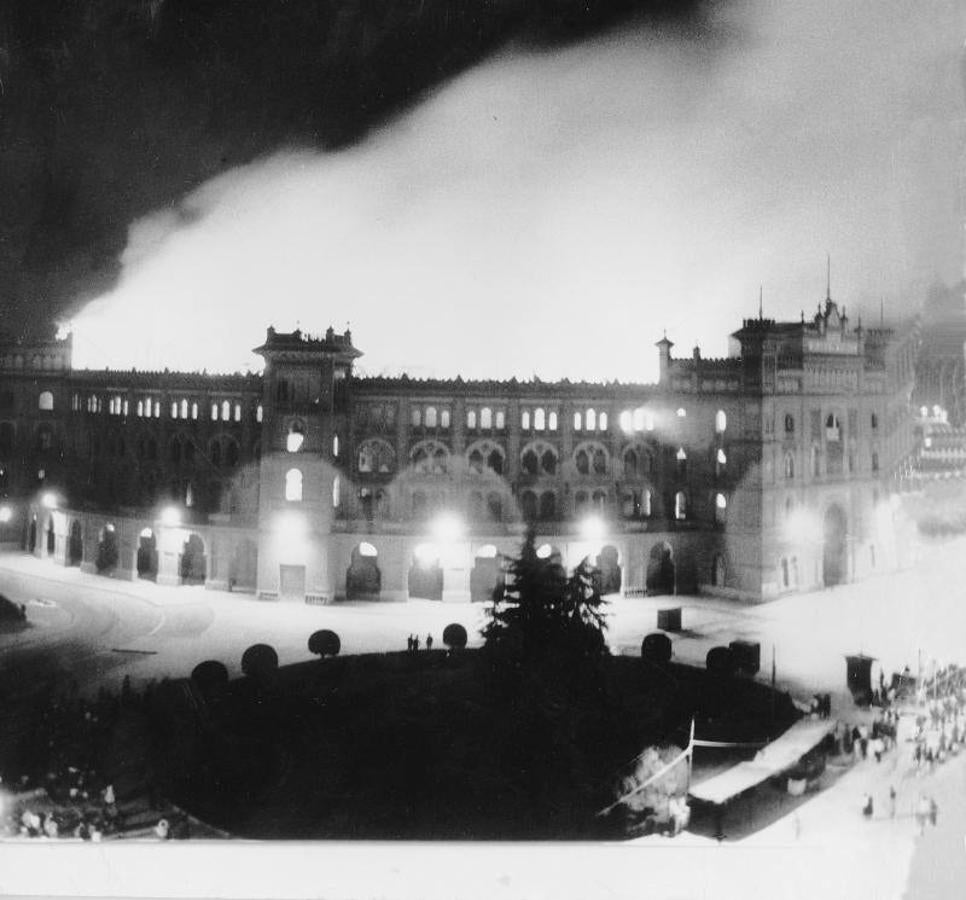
{"x":780,"y":755}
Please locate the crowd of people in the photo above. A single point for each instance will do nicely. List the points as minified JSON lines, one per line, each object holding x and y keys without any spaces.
{"x":63,"y":788}
{"x":941,"y":725}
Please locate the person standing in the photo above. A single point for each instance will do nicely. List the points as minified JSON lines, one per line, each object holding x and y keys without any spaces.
{"x":892,"y":801}
{"x":429,"y":642}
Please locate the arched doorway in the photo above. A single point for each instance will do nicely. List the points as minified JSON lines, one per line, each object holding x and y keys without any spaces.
{"x":608,"y":565}
{"x":148,"y":555}
{"x":193,"y":561}
{"x":75,"y":544}
{"x":660,"y":570}
{"x":107,"y":550}
{"x":834,"y":562}
{"x":486,"y":575}
{"x":32,"y":535}
{"x":363,"y":580}
{"x":426,"y":574}
{"x":51,"y":536}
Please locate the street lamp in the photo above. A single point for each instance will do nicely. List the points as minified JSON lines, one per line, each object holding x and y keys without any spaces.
{"x":49,"y":500}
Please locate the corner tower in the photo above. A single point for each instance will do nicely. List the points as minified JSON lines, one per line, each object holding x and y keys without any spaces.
{"x":306,"y":401}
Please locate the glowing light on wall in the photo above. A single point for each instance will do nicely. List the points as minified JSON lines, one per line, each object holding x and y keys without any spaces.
{"x":544,"y":551}
{"x":171,"y":516}
{"x":6,"y":514}
{"x":427,"y":555}
{"x":447,"y":527}
{"x":592,"y":528}
{"x":49,"y":500}
{"x":366,"y":549}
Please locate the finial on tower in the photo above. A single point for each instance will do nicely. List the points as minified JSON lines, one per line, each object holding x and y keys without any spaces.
{"x":828,"y":276}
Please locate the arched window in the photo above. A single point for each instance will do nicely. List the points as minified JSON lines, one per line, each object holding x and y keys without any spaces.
{"x":602,"y":422}
{"x":214,"y":412}
{"x":682,"y":412}
{"x":174,"y":408}
{"x":293,"y":485}
{"x":680,"y":505}
{"x":590,"y":420}
{"x":582,"y":461}
{"x":720,"y":421}
{"x":476,"y":461}
{"x":833,"y":428}
{"x":376,"y":456}
{"x":578,"y":422}
{"x":548,"y":462}
{"x":259,"y":412}
{"x":431,"y":419}
{"x":225,"y":411}
{"x":444,"y":417}
{"x":530,"y":462}
{"x":194,"y":410}
{"x":157,"y":409}
{"x":875,"y":461}
{"x":471,"y":419}
{"x":875,"y":421}
{"x":581,"y":501}
{"x":500,"y":419}
{"x":630,"y":463}
{"x":720,"y":505}
{"x":789,"y":465}
{"x":721,"y":458}
{"x":646,"y":502}
{"x":495,"y":461}
{"x":45,"y":401}
{"x":184,"y":409}
{"x":539,"y":419}
{"x":335,"y":446}
{"x":600,"y":500}
{"x":336,"y":492}
{"x":552,"y":420}
{"x":626,"y":421}
{"x":416,"y":417}
{"x":486,"y":418}
{"x":141,"y":408}
{"x":525,"y":420}
{"x":295,"y":437}
{"x":237,"y":412}
{"x":430,"y":458}
{"x":789,"y":423}
{"x":600,"y":461}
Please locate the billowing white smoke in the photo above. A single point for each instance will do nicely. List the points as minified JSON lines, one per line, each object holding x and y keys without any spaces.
{"x":552,"y":213}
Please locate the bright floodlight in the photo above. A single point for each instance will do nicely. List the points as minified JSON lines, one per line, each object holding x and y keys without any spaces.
{"x":293,"y":443}
{"x":171,"y":516}
{"x":447,"y":527}
{"x":6,"y":513}
{"x":49,"y":500}
{"x":290,"y":526}
{"x":544,"y":551}
{"x":592,"y":528}
{"x":366,"y":549}
{"x":427,"y":555}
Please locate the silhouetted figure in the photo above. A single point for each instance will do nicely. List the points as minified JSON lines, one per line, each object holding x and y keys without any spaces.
{"x":416,"y":644}
{"x":429,"y":642}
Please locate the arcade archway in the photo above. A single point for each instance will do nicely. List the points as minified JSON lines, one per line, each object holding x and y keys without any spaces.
{"x":609,"y":569}
{"x":51,"y":536}
{"x":660,"y":570}
{"x":194,"y":563}
{"x":107,"y":549}
{"x":75,"y":544}
{"x":486,"y":575}
{"x":426,"y":574}
{"x":147,"y":562}
{"x":363,"y":579}
{"x":834,"y":559}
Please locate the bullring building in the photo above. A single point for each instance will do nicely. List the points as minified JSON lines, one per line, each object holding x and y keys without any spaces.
{"x":766,"y":472}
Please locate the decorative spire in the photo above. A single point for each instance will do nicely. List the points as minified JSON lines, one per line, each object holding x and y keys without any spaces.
{"x":828,"y":277}
{"x":761,"y":291}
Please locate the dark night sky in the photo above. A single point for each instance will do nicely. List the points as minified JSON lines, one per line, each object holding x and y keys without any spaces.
{"x":112,"y":108}
{"x":612,"y":167}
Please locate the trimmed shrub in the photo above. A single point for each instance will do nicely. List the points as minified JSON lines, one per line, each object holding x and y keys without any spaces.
{"x":211,"y":677}
{"x":454,"y":636}
{"x":656,"y":648}
{"x":324,"y":643}
{"x":259,"y":661}
{"x":720,"y":661}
